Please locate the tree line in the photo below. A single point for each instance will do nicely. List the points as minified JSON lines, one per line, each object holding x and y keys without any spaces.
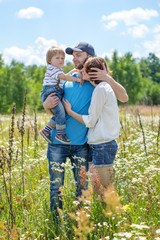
{"x":140,"y":77}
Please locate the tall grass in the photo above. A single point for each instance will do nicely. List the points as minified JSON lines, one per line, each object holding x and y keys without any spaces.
{"x":128,"y":210}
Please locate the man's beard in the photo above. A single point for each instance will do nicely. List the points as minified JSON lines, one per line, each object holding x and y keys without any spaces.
{"x":81,"y":65}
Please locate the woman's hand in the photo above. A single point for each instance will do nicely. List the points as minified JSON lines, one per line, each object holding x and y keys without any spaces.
{"x":67,"y":106}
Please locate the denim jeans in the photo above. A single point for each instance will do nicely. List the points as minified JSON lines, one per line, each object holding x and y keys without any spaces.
{"x":103,"y":154}
{"x":57,"y":154}
{"x":59,"y":112}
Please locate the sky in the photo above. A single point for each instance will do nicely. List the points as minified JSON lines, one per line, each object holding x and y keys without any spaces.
{"x":28,"y":28}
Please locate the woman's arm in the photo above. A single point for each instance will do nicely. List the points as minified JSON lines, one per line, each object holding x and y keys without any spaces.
{"x":70,"y":112}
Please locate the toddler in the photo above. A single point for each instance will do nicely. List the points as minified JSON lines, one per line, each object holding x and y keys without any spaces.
{"x":53,"y":82}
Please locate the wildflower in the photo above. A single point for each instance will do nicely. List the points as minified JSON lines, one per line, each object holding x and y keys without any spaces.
{"x":126,"y":208}
{"x":100,"y":225}
{"x":76,"y":203}
{"x":139,"y":226}
{"x":87,"y":207}
{"x":123,"y":234}
{"x":158,"y":231}
{"x":83,"y":175}
{"x":105,"y":224}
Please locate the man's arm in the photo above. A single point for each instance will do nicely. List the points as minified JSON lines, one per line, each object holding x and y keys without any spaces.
{"x":118,"y":89}
{"x":50,"y":102}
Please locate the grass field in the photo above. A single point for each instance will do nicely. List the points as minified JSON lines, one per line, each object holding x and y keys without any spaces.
{"x":128,"y":210}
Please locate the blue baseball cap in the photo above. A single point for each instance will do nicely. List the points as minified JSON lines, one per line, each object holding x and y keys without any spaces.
{"x":81,"y":47}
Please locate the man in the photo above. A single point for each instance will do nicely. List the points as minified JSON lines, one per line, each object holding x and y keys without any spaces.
{"x":79,"y":96}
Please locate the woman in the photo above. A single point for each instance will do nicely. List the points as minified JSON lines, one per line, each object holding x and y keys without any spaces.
{"x":102,"y":121}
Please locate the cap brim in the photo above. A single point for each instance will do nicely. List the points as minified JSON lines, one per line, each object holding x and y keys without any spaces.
{"x":70,"y":50}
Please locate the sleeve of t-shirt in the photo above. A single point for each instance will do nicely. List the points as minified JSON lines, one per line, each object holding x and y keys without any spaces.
{"x":56,"y":73}
{"x":96,"y":107}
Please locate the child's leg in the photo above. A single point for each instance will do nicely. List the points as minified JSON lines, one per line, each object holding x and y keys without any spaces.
{"x":45,"y":132}
{"x":60,"y":120}
{"x":51,"y":124}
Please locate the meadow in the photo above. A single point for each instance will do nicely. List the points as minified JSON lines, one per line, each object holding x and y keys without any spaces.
{"x":129,"y":209}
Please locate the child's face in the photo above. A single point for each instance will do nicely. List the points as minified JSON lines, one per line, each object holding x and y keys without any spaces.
{"x":57,"y":61}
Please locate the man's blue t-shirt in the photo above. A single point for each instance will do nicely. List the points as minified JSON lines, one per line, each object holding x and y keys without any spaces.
{"x":79,"y":97}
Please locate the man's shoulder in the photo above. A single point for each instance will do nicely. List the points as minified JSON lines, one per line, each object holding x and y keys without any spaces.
{"x":75,"y":74}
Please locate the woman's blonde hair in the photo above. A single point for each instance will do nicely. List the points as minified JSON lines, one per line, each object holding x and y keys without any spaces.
{"x":53,"y":51}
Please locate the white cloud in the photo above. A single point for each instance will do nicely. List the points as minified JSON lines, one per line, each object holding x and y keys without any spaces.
{"x":29,"y":13}
{"x":110,"y":54}
{"x":131,"y":17}
{"x":110,"y":25}
{"x":35,"y":54}
{"x":157,"y":28}
{"x":136,"y":54}
{"x":153,"y":46}
{"x":138,"y":31}
{"x":27,"y":56}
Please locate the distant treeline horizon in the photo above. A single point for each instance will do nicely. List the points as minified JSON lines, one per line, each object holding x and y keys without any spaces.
{"x":140,"y":77}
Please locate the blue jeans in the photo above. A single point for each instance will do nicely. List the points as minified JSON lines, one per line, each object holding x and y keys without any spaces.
{"x":103,"y":154}
{"x":57,"y":155}
{"x":59,"y":112}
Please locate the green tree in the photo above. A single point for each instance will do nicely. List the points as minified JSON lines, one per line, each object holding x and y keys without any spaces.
{"x":126,"y":71}
{"x":68,"y":67}
{"x":145,"y":68}
{"x":17,"y":83}
{"x":34,"y":85}
{"x":5,"y":89}
{"x":154,"y":94}
{"x":154,"y":65}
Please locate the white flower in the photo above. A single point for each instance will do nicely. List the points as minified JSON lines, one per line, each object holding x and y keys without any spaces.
{"x":139,"y":226}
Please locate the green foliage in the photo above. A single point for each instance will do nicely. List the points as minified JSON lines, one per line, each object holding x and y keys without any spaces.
{"x":154,"y":64}
{"x":68,"y":67}
{"x":126,"y":71}
{"x":34,"y":86}
{"x":141,"y":80}
{"x":154,"y":94}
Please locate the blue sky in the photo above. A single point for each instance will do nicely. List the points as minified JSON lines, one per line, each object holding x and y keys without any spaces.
{"x":30,"y":27}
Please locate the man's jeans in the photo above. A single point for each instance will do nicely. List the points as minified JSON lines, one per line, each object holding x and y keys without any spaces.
{"x":57,"y":154}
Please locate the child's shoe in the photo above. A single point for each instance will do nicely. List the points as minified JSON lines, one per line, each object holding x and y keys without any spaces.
{"x":46,"y":136}
{"x":62,"y":138}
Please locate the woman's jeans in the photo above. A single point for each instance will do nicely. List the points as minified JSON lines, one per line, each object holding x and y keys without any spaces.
{"x":103,"y":154}
{"x":57,"y":154}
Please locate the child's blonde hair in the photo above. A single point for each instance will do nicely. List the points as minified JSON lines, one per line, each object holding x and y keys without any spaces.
{"x":53,"y":51}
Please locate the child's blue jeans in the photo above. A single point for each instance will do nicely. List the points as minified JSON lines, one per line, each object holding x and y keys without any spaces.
{"x":58,"y":111}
